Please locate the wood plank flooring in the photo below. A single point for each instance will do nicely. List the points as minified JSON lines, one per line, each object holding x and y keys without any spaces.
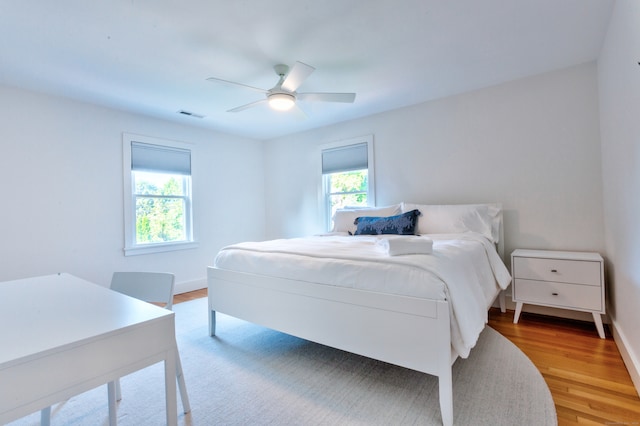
{"x":586,"y":375}
{"x":192,"y":295}
{"x":588,"y":380}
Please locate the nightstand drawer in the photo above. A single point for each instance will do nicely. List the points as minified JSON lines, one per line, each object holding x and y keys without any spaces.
{"x":557,"y":270}
{"x":551,"y":293}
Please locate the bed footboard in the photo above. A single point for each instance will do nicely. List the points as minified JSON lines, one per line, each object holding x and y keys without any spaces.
{"x":405,"y":331}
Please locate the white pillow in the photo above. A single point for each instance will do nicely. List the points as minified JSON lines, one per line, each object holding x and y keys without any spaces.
{"x":458,"y":218}
{"x":343,"y":218}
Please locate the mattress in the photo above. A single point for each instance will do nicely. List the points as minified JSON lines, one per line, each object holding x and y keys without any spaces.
{"x":463,"y":269}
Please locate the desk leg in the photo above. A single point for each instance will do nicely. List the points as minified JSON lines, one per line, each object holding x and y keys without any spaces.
{"x":170,"y":387}
{"x":111,"y":397}
{"x":45,"y":416}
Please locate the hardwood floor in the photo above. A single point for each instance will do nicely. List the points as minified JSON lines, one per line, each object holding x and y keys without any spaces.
{"x":586,"y":375}
{"x":185,"y":297}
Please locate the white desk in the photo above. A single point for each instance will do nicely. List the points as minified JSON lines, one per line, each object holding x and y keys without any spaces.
{"x":61,"y":336}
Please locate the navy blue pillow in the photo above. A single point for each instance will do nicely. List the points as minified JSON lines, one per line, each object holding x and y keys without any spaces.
{"x":402,"y":224}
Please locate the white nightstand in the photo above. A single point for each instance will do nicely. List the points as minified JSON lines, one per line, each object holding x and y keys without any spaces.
{"x":559,"y":279}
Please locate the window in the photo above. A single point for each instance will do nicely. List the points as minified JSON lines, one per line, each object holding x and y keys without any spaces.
{"x":347,"y":175}
{"x":157,"y":184}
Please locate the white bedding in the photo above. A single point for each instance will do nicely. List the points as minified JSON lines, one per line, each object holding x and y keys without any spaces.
{"x":467,"y":263}
{"x":403,"y":245}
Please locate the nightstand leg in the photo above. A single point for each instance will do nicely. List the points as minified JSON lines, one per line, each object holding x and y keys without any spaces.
{"x":516,"y":316}
{"x":598,"y":320}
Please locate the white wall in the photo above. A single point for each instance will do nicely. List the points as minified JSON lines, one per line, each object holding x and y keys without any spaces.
{"x":62,"y":196}
{"x":619,"y":83}
{"x":532,"y":144}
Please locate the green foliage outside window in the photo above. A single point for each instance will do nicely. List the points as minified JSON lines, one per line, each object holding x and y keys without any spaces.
{"x":160,"y":208}
{"x":349,"y":182}
{"x":347,"y":189}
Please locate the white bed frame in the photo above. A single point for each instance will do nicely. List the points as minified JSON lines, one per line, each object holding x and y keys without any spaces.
{"x":405,"y":331}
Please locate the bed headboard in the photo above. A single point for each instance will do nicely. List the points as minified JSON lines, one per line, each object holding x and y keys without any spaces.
{"x":486,"y":219}
{"x":500,"y":243}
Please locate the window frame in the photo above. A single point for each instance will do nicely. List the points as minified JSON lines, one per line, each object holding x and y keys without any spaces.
{"x":131,"y":247}
{"x":323,"y":190}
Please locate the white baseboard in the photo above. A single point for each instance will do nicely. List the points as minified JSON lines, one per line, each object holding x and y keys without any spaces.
{"x":628,"y":355}
{"x":188,"y":286}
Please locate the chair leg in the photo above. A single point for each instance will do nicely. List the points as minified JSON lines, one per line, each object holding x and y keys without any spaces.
{"x":118,"y":390}
{"x":45,"y":416}
{"x":181,"y":385}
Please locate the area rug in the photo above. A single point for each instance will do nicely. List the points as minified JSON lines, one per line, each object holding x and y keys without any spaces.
{"x":250,"y":375}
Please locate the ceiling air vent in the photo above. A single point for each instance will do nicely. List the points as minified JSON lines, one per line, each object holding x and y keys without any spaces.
{"x":190,"y":114}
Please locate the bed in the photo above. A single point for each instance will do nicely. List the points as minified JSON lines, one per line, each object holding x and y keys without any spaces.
{"x":421,"y":306}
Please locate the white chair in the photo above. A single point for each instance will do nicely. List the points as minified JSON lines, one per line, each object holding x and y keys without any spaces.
{"x":152,"y":287}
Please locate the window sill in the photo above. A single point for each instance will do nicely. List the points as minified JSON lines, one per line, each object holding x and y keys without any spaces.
{"x":159,"y":248}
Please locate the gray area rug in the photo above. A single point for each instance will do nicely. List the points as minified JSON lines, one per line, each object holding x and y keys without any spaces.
{"x":250,"y":375}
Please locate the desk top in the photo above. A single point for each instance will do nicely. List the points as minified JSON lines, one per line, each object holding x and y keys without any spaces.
{"x":43,"y":314}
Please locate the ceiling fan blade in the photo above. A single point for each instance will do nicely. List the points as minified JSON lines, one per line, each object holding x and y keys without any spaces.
{"x":233,"y":83}
{"x":247,"y":106}
{"x":327,"y":97}
{"x":296,"y":76}
{"x":299,"y":113}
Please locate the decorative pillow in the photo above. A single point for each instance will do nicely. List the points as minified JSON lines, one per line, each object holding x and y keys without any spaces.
{"x":458,"y":218}
{"x":344,"y":219}
{"x":402,"y":224}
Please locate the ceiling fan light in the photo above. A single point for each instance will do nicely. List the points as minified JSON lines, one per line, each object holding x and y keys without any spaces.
{"x":281,"y":101}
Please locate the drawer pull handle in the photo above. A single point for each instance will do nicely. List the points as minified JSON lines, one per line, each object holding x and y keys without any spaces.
{"x":554,"y":270}
{"x":554,"y":294}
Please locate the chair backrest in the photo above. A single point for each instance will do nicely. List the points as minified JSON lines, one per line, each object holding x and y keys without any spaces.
{"x":154,"y":287}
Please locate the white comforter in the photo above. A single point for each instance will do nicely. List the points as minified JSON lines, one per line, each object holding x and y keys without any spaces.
{"x":463,"y":269}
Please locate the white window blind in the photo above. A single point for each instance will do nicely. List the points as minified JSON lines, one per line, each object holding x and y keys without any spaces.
{"x":154,"y":158}
{"x":345,"y":158}
{"x":157,"y":195}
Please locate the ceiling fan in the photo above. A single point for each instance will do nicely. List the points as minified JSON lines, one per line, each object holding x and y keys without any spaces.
{"x":283,"y":95}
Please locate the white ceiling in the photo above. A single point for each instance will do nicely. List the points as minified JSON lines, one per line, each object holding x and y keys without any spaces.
{"x":153,"y":56}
